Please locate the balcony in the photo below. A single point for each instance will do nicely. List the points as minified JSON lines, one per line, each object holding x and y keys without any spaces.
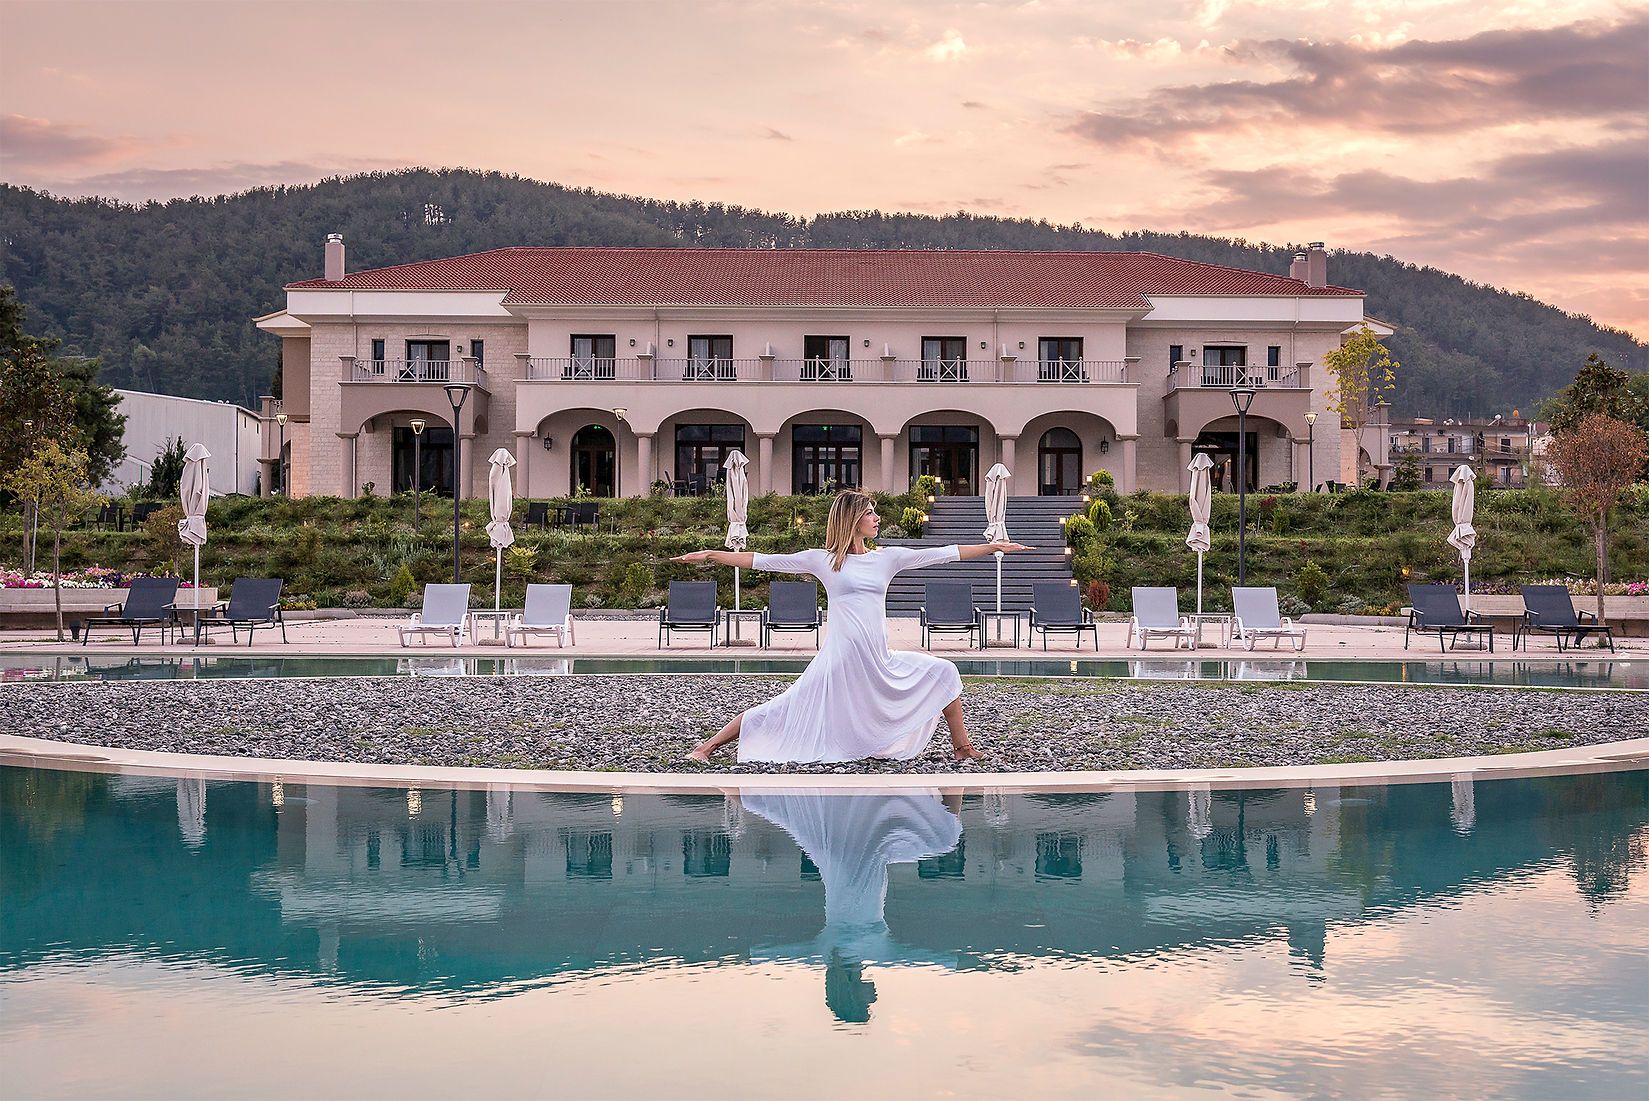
{"x":438,"y":371}
{"x":824,"y":371}
{"x":1200,"y":394}
{"x":1201,"y":376}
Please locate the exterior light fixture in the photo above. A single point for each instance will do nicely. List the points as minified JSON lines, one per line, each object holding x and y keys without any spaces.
{"x":417,"y":470}
{"x":549,"y":443}
{"x":1311,"y":450}
{"x":280,"y":453}
{"x":1242,"y":397}
{"x":619,"y":411}
{"x":457,"y":394}
{"x":983,"y":345}
{"x":1104,"y":447}
{"x":632,"y":342}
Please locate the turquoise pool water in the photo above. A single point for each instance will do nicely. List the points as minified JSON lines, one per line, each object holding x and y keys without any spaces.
{"x":189,"y":938}
{"x":1587,"y":673}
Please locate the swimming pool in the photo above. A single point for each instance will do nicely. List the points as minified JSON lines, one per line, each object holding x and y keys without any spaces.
{"x":1607,"y":673}
{"x":184,"y":937}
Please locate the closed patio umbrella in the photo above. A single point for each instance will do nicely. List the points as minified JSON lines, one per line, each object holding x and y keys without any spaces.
{"x":501,"y":501}
{"x":996,"y":520}
{"x":1201,"y":537}
{"x":1464,"y":537}
{"x":738,"y":509}
{"x":195,"y":489}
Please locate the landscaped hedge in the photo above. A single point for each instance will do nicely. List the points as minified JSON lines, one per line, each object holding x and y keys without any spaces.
{"x":348,"y":552}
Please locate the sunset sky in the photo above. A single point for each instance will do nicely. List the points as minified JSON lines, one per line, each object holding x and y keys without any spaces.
{"x":1508,"y":142}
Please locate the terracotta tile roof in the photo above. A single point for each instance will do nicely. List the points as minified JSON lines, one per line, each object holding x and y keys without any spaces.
{"x":822,"y":277}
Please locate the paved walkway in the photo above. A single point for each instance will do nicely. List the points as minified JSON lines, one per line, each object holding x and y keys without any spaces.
{"x":376,"y":636}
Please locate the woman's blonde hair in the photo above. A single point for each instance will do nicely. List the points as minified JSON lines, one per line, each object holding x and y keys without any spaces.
{"x":846,"y":511}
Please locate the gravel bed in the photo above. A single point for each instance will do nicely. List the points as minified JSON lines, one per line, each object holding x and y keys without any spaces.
{"x":647,"y":724}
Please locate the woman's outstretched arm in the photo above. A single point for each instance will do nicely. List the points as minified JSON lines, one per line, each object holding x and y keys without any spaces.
{"x":985,"y":550}
{"x":744,"y":560}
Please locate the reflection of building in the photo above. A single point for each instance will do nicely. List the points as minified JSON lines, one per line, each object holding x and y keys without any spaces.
{"x":614,"y":369}
{"x":1498,"y":449}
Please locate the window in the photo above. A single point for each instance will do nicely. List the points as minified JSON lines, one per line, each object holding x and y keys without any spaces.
{"x":1176,"y":353}
{"x":592,"y":357}
{"x":710,"y":357}
{"x":428,"y":361}
{"x":944,"y":359}
{"x":1274,"y":355}
{"x":378,"y":352}
{"x":826,"y":359}
{"x":1060,"y":359}
{"x":478,"y":352}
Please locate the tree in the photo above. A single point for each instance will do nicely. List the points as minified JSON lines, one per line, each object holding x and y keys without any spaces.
{"x":1406,"y":474}
{"x":1364,"y":375}
{"x":1598,"y":459}
{"x":45,"y":396}
{"x":166,"y":472}
{"x":1600,"y":388}
{"x":57,"y":482}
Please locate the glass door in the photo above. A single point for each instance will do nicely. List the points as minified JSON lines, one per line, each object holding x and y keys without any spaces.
{"x":595,"y":462}
{"x":944,"y":359}
{"x":949,"y":453}
{"x":825,"y":457}
{"x":592,"y":358}
{"x":427,"y":361}
{"x":710,"y":358}
{"x":826,"y":359}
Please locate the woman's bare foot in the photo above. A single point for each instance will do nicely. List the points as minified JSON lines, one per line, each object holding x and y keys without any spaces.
{"x":968,"y":752}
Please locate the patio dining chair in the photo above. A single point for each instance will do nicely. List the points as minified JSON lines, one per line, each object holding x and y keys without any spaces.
{"x":948,"y":607}
{"x":1157,"y":615}
{"x":445,"y":612}
{"x":548,"y":611}
{"x":1257,"y":616}
{"x":691,"y":607}
{"x":253,"y":602}
{"x":149,"y":603}
{"x":1550,"y":609}
{"x":1437,"y":608}
{"x":791,"y":606}
{"x":1057,"y":608}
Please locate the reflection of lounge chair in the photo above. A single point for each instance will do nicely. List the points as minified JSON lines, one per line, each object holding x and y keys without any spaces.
{"x":149,"y":603}
{"x":948,"y":606}
{"x":1058,"y":607}
{"x":1165,"y":670}
{"x":1269,"y":670}
{"x":1156,"y":613}
{"x":253,"y":602}
{"x":791,"y":606}
{"x":691,"y":607}
{"x":1257,"y":617}
{"x":1437,"y":608}
{"x":548,"y":611}
{"x":445,"y":612}
{"x":1550,"y":609}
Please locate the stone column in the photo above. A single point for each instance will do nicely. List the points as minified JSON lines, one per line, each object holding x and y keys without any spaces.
{"x":890,"y":480}
{"x":1302,"y":466}
{"x":466,"y":465}
{"x":523,"y":456}
{"x":1185,"y":465}
{"x":644,"y":462}
{"x":347,"y":440}
{"x":1129,"y":481}
{"x":764,"y":462}
{"x":1008,"y":445}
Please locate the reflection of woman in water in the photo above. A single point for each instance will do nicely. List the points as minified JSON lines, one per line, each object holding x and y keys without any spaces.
{"x":852,"y":839}
{"x":857,"y":698}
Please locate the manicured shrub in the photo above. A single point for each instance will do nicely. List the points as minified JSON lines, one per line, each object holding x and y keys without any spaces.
{"x":401,"y":587}
{"x":1311,"y":584}
{"x":1099,"y":514}
{"x":910,"y":522}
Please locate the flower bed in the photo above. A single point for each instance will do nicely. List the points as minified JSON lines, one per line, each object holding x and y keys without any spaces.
{"x":92,"y":577}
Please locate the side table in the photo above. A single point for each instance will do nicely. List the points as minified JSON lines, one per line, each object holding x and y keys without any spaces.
{"x":1222,"y":620}
{"x":498,"y":616}
{"x":999,"y":618}
{"x":732,"y":625}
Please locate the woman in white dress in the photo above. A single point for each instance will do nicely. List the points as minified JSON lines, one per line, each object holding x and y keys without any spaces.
{"x":857,"y":699}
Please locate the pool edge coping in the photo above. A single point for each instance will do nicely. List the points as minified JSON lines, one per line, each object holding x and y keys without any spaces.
{"x":16,"y":750}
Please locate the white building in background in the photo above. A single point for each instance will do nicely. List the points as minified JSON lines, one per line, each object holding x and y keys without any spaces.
{"x":232,"y":434}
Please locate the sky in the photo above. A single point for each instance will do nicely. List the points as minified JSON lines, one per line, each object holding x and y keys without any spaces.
{"x":1505,"y":141}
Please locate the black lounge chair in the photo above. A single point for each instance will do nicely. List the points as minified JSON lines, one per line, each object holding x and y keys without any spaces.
{"x":149,"y":603}
{"x":791,"y":606}
{"x":1437,"y":608}
{"x":948,"y":606}
{"x":538,"y":512}
{"x":579,"y":514}
{"x":1550,"y":609}
{"x":1058,"y":608}
{"x":691,"y":607}
{"x":143,"y":510}
{"x":253,"y":602}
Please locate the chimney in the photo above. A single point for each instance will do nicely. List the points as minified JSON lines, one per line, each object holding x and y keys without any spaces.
{"x":334,"y":257}
{"x":1296,"y":269}
{"x":1316,"y":265}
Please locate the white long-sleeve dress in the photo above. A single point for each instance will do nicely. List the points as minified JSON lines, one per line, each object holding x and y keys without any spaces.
{"x":857,"y":699}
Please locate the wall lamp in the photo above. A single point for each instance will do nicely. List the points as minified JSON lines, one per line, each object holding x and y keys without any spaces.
{"x":549,"y":443}
{"x":1104,"y":447}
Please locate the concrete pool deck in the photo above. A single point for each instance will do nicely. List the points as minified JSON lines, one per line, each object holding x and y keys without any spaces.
{"x":375,"y":636}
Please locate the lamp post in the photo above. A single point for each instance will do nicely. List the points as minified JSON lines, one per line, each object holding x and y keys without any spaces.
{"x":1242,"y":397}
{"x":417,"y":469}
{"x":280,"y":454}
{"x":457,"y":394}
{"x":618,"y":483}
{"x":1311,"y":451}
{"x":31,"y":509}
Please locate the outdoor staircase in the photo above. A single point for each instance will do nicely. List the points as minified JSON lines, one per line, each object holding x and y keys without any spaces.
{"x":1034,"y":521}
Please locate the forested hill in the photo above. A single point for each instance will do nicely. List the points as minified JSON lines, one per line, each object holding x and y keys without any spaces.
{"x":165,"y":292}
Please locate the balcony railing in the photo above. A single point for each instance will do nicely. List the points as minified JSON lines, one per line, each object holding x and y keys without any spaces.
{"x":415,"y":370}
{"x":824,"y":371}
{"x":1221,"y":376}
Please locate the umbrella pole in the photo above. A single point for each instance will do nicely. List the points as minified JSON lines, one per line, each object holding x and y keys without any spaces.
{"x":999,"y":596}
{"x":1199,"y":582}
{"x":737,"y":603}
{"x":1466,"y":560}
{"x":497,"y":578}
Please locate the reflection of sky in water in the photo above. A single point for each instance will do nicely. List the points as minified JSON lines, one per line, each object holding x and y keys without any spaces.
{"x":1422,"y":940}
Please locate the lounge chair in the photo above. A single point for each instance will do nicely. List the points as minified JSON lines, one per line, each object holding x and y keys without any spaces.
{"x":791,"y":606}
{"x":1437,"y":608}
{"x":1549,"y":608}
{"x":948,"y":606}
{"x":538,"y":514}
{"x":1257,"y":617}
{"x":1056,"y":607}
{"x":548,"y":611}
{"x":445,"y":612}
{"x":1156,"y":613}
{"x":253,"y":602}
{"x":691,"y":607}
{"x":149,"y":603}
